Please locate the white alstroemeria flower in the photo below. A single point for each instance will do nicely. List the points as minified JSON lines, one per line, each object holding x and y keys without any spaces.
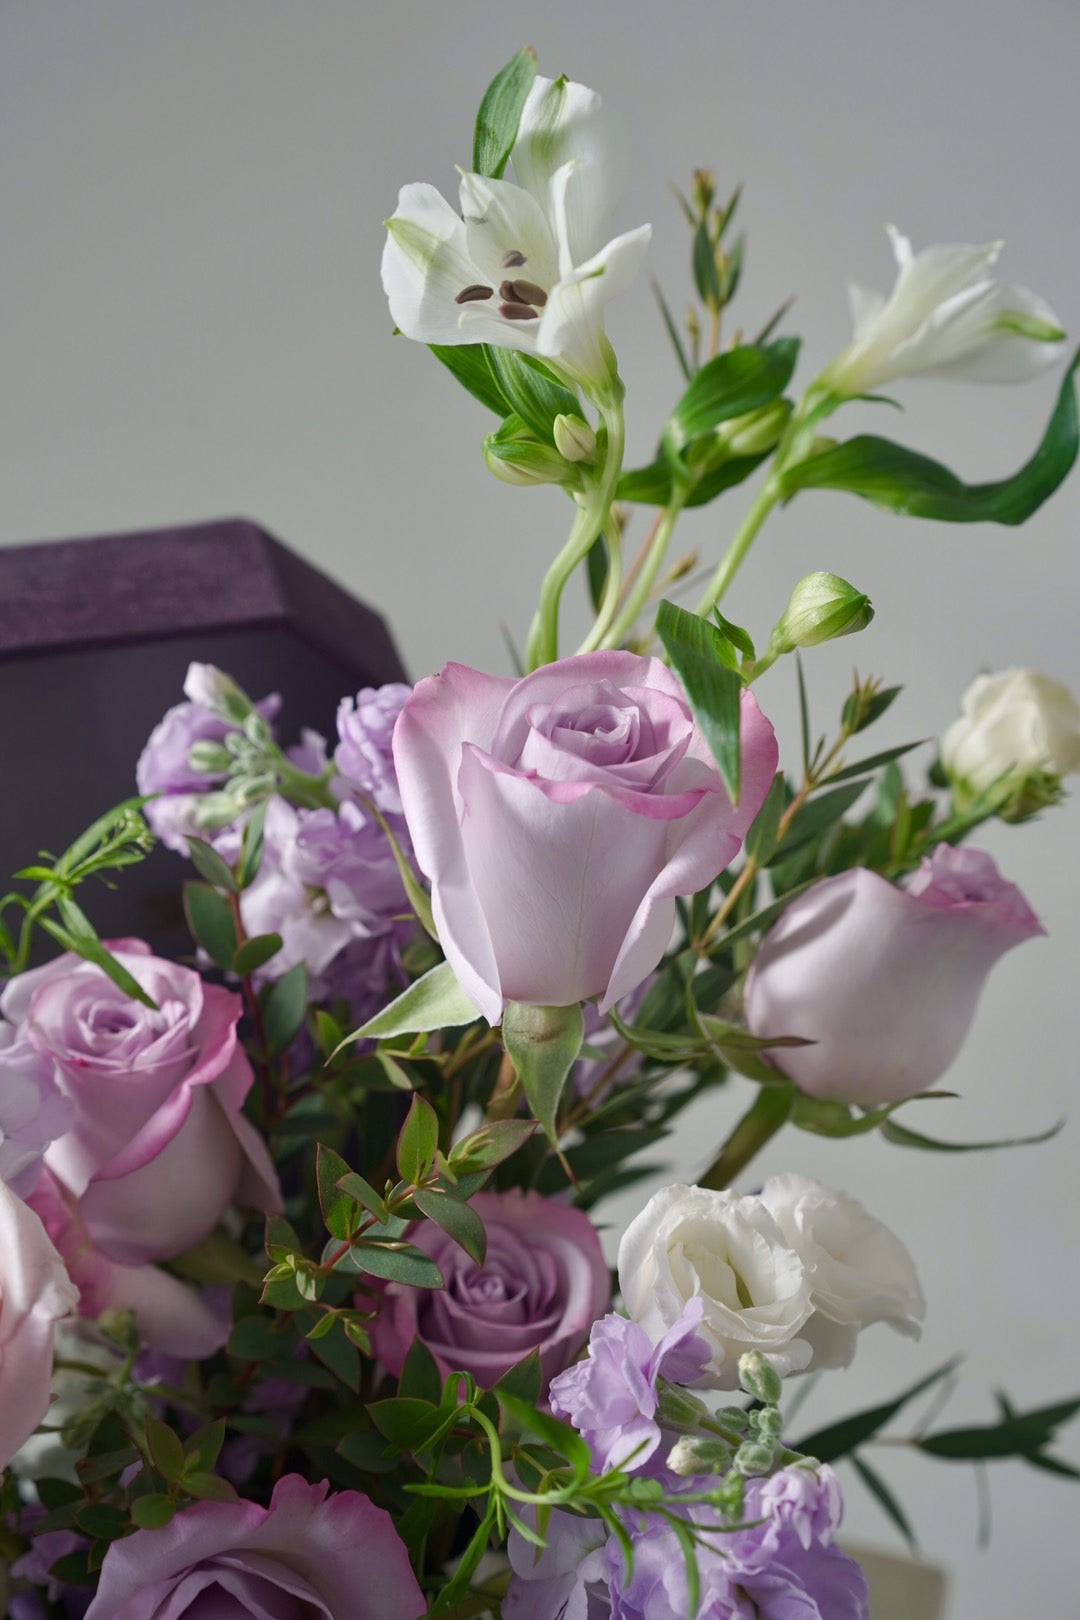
{"x":525,"y":266}
{"x":947,"y":315}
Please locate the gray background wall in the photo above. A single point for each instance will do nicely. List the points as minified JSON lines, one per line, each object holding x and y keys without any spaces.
{"x":191,"y":326}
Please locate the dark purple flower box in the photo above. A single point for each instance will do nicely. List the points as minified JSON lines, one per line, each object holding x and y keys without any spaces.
{"x":95,"y":639}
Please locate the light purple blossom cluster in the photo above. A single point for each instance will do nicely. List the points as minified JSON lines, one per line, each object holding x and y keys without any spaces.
{"x":776,"y":1561}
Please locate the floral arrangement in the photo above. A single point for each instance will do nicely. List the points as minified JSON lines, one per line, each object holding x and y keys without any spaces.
{"x":303,"y":1309}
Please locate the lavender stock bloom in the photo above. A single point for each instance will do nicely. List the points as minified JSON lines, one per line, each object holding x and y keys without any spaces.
{"x":611,"y":1397}
{"x":366,"y":726}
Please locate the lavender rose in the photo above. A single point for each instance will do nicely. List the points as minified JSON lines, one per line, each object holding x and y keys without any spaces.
{"x":158,"y":1147}
{"x":35,"y":1292}
{"x":33,"y":1110}
{"x":542,"y":1285}
{"x":884,"y":980}
{"x":559,"y":816}
{"x":336,"y":1558}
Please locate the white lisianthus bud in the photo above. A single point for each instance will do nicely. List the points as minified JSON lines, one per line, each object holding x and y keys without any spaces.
{"x":1017,"y":736}
{"x":822,"y":607}
{"x":574,"y":438}
{"x":946,"y":315}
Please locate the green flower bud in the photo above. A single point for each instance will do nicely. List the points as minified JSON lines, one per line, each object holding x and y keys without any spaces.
{"x":574,"y":438}
{"x":759,"y":1378}
{"x":755,"y":1457}
{"x":694,"y":1454}
{"x":210,"y":758}
{"x":524,"y":462}
{"x":678,"y":1408}
{"x":758,"y":431}
{"x":822,"y":607}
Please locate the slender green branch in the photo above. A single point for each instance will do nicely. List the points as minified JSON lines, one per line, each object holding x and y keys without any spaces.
{"x":543,"y":646}
{"x":615,"y":633}
{"x":729,"y":565}
{"x":762,"y":1120}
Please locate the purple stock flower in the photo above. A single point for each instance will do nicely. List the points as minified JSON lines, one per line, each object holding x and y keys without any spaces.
{"x":165,"y":767}
{"x":611,"y":1397}
{"x":33,"y":1110}
{"x":365,"y":726}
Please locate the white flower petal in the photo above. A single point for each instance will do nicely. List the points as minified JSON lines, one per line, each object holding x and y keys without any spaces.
{"x":563,"y":122}
{"x":502,"y":219}
{"x":571,"y":328}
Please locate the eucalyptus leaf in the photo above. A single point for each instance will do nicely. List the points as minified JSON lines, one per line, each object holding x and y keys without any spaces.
{"x":840,"y":1438}
{"x":902,"y":1137}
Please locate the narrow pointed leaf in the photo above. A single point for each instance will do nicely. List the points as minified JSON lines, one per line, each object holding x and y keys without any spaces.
{"x":435,"y":1001}
{"x":902,"y":1137}
{"x":500,"y":113}
{"x":885,"y":1498}
{"x":839,"y":1438}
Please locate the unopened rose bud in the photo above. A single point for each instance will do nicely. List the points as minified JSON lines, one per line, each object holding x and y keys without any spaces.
{"x":759,"y":1378}
{"x":694,"y":1454}
{"x":822,"y":607}
{"x":574,"y":438}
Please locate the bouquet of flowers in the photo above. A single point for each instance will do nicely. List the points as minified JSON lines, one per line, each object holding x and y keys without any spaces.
{"x":303,"y":1307}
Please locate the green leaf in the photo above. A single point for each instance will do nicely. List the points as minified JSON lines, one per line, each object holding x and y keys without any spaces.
{"x":207,"y":1487}
{"x":420,"y":1376}
{"x":251,"y":847}
{"x":418,"y":1142}
{"x":166,"y":1450}
{"x":703,"y":263}
{"x":714,"y":691}
{"x":404,"y":1265}
{"x":468,"y":362}
{"x":543,"y":1043}
{"x":563,"y":1440}
{"x":733,"y":384}
{"x":458,"y":1219}
{"x":337,"y":1354}
{"x":338,"y":1209}
{"x":203,"y":1448}
{"x":902,"y":1137}
{"x":915,"y":486}
{"x":761,"y":838}
{"x":500,"y":113}
{"x":284,"y":1004}
{"x":652,"y":485}
{"x":525,"y":1379}
{"x":535,"y":396}
{"x":151,"y":1512}
{"x":1014,"y":1436}
{"x":89,"y":947}
{"x":255,"y":953}
{"x":839,"y":1438}
{"x":253,"y":1339}
{"x":885,"y":1498}
{"x":491,"y":1144}
{"x":672,"y":329}
{"x":209,"y":865}
{"x":103,"y":1520}
{"x":863,"y":766}
{"x":210,"y":918}
{"x":818,"y":814}
{"x":354,"y":1185}
{"x":406,"y":1421}
{"x":435,"y":1001}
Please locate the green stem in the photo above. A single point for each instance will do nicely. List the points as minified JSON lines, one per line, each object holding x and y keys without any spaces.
{"x":761,"y":1121}
{"x":300,"y":788}
{"x":767,"y":497}
{"x":615,"y":634}
{"x":543,"y":647}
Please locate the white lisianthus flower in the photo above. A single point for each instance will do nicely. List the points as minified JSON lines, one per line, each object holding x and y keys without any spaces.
{"x":947,"y":315}
{"x":527,"y":265}
{"x":1019,"y":730}
{"x":859,"y":1270}
{"x":689,"y":1242}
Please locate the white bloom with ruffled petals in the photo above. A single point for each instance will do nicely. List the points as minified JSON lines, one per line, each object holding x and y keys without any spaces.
{"x":524,"y":266}
{"x":947,"y":315}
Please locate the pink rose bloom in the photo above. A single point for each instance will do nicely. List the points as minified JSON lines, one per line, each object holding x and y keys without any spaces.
{"x":158,"y":1147}
{"x":35,"y":1292}
{"x":559,"y":816}
{"x":542,"y":1285}
{"x":884,"y":980}
{"x":306,"y":1555}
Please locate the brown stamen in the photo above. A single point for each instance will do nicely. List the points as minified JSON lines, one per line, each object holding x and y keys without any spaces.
{"x":507,"y":291}
{"x":474,"y":294}
{"x":513,"y":260}
{"x":527,"y":292}
{"x":518,"y":312}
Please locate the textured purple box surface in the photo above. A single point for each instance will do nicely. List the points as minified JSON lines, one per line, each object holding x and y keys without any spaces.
{"x":95,"y":638}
